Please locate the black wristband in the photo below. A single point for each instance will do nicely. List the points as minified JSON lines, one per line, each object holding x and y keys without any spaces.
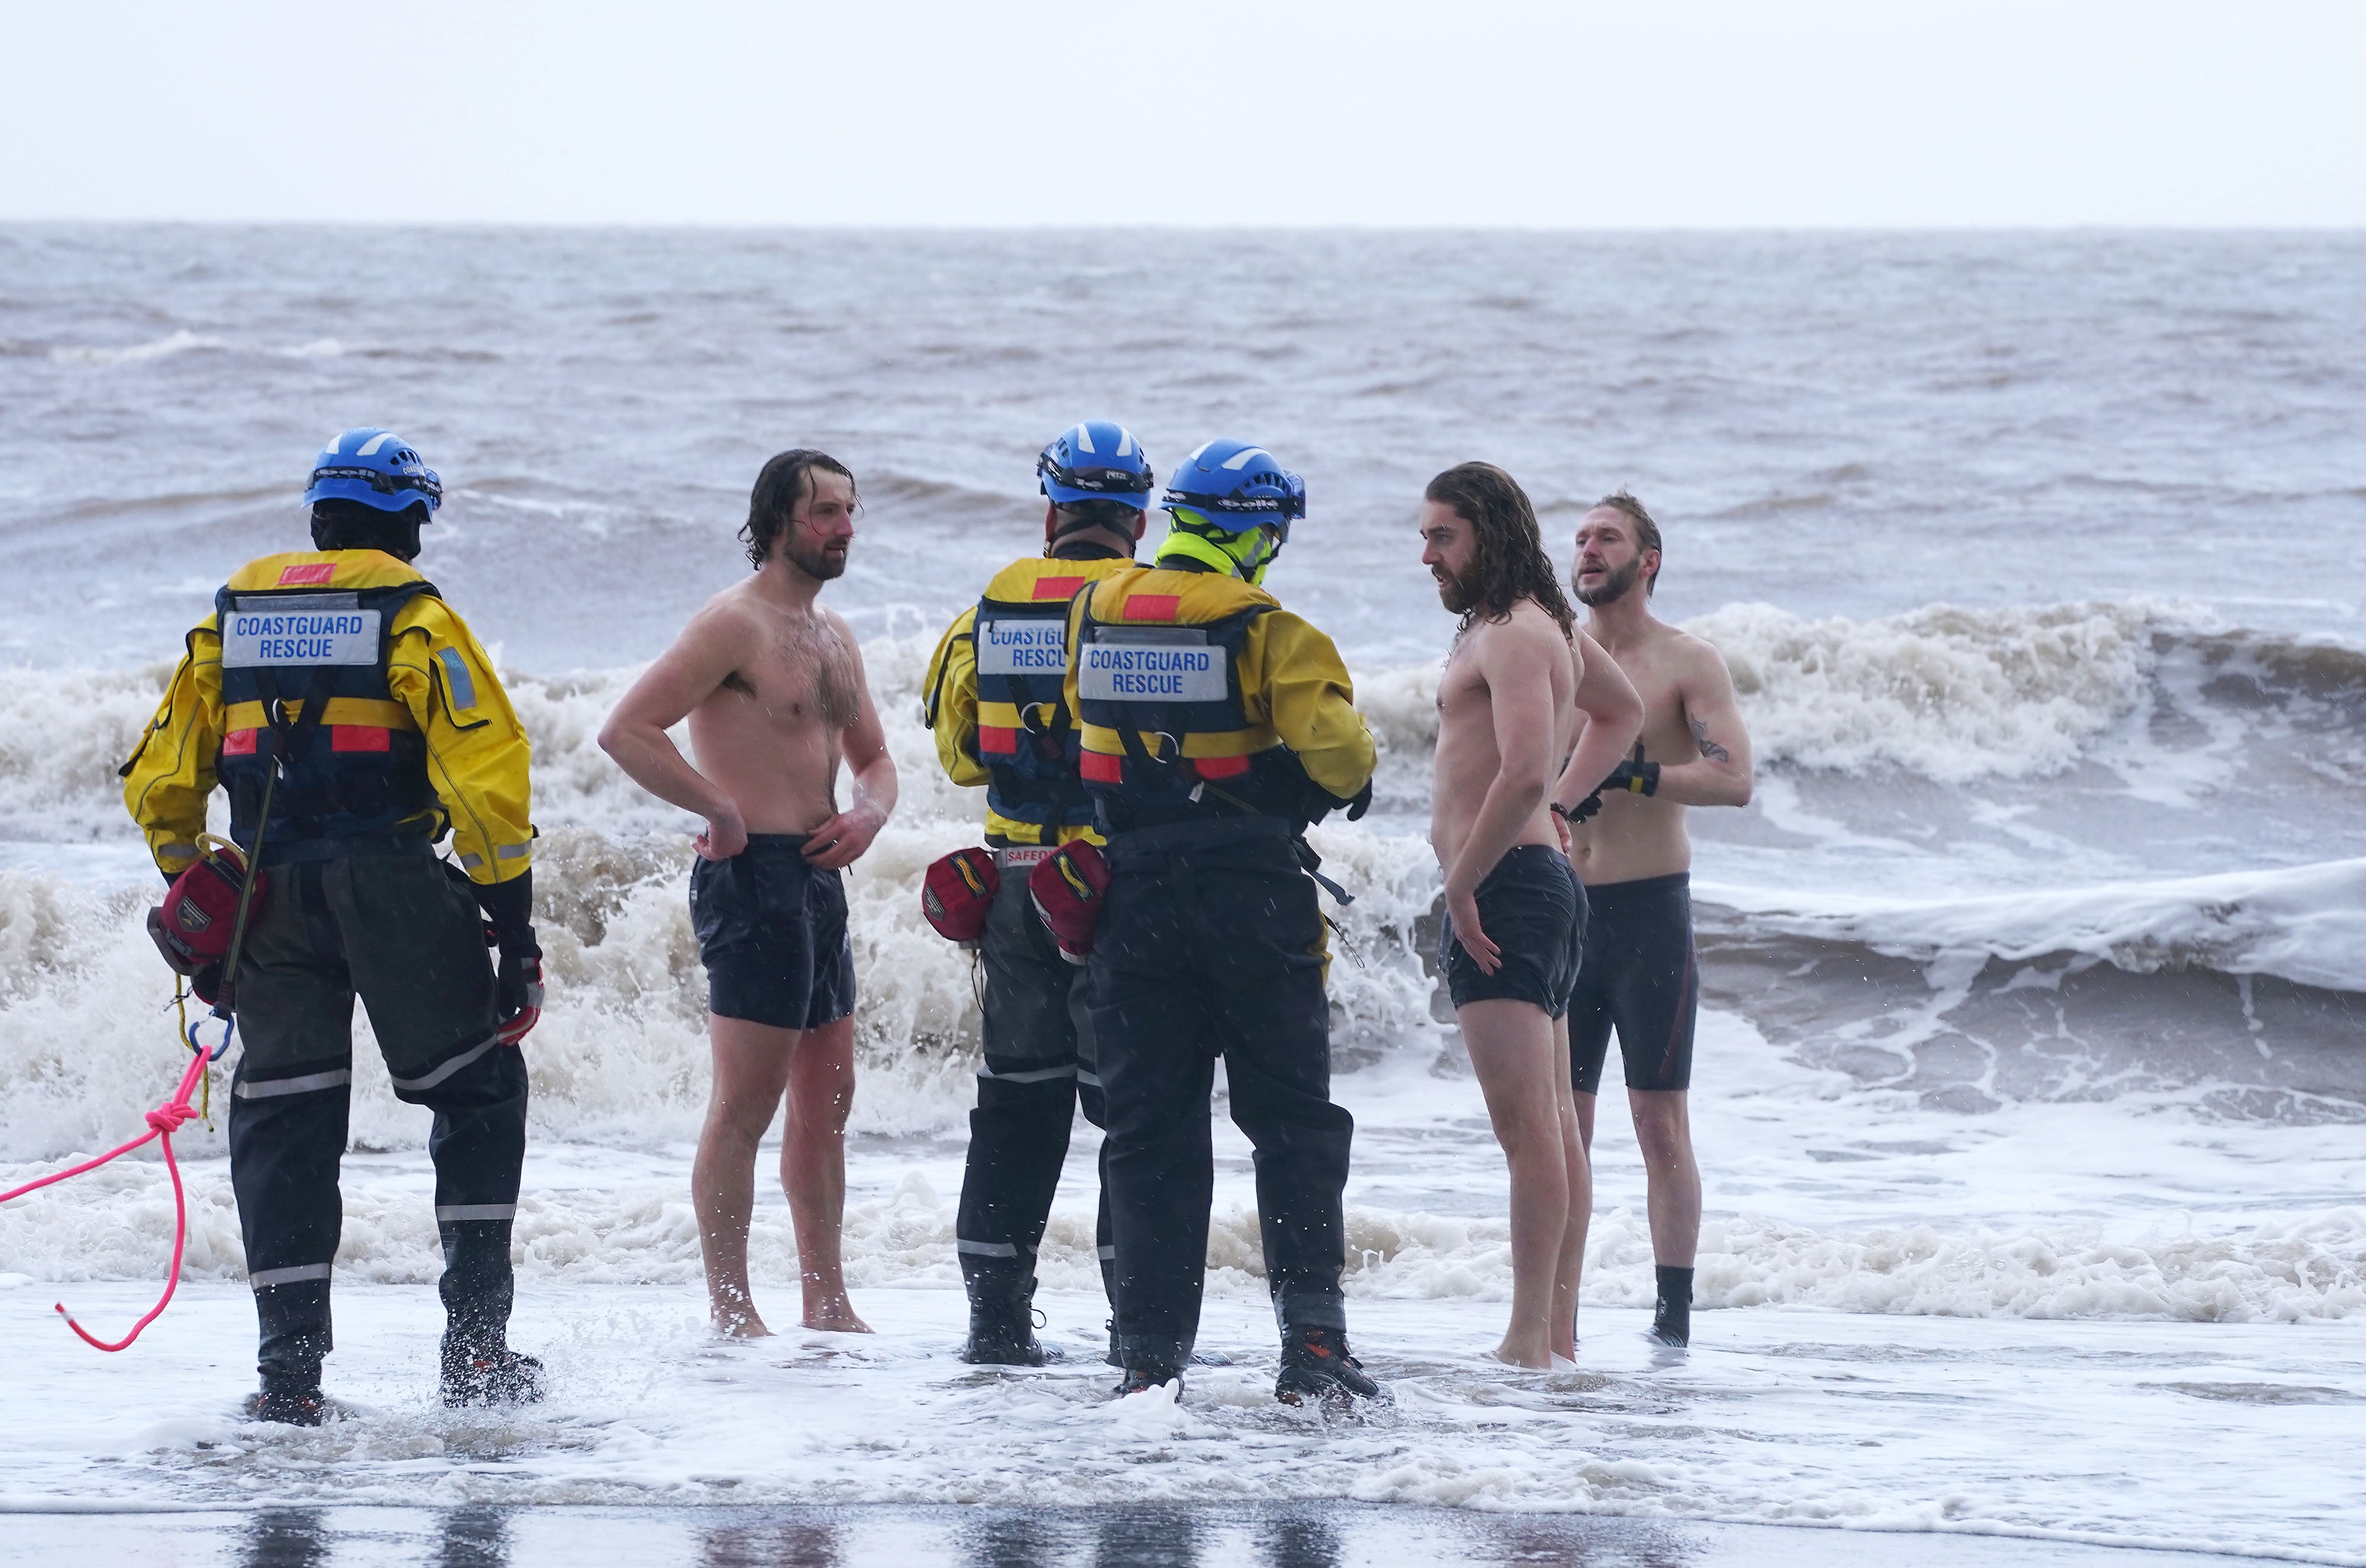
{"x":509,"y":908}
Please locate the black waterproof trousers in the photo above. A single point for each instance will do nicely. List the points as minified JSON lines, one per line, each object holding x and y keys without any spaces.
{"x":1212,"y":944}
{"x":1040,"y":1066}
{"x":401,"y":931}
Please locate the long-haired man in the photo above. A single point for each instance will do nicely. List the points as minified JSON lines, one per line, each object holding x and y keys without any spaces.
{"x":1509,"y":706}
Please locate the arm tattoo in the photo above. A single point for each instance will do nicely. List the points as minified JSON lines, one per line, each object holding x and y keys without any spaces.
{"x":1709,"y":748}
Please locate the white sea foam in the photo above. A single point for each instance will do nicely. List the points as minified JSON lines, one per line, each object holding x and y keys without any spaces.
{"x":184,"y":342}
{"x":117,"y":1224}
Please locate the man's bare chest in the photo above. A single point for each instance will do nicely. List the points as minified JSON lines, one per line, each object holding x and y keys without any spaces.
{"x":798,"y":673}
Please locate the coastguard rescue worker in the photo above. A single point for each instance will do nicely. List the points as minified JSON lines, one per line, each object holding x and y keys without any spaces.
{"x":995,"y":702}
{"x":335,"y":682}
{"x":1215,"y":727}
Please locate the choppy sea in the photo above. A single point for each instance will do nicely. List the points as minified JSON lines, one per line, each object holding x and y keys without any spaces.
{"x":2032,"y":1080}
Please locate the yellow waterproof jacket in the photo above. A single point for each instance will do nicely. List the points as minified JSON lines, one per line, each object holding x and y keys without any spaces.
{"x":994,"y":701}
{"x":1220,"y":687}
{"x":445,"y":712}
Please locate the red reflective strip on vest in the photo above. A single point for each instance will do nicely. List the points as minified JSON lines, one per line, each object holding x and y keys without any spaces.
{"x":1220,"y":767}
{"x":312,"y":576}
{"x":1102,"y":768}
{"x":1153,"y":606}
{"x":239,"y":743}
{"x":999,"y":742}
{"x":1058,"y":587}
{"x":358,"y":737}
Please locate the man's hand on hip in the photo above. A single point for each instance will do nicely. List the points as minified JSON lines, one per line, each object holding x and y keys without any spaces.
{"x":841,"y":841}
{"x":725,"y":835}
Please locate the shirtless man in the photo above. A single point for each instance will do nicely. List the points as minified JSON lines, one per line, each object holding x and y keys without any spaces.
{"x":772,"y":685}
{"x":1507,"y":707}
{"x":1639,"y":975}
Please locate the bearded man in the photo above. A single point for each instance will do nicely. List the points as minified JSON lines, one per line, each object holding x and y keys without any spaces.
{"x":772,"y":685}
{"x":1517,"y":688}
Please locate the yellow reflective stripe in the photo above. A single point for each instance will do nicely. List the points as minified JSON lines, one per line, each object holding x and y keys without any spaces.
{"x":371,"y":711}
{"x":1000,"y":716}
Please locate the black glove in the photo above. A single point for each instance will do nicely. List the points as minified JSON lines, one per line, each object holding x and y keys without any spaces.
{"x":1361,"y":803}
{"x":517,"y":993}
{"x":517,"y":987}
{"x":1574,"y":815}
{"x":1635,"y":775}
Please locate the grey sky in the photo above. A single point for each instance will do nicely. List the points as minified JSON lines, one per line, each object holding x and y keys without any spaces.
{"x":1680,"y":113}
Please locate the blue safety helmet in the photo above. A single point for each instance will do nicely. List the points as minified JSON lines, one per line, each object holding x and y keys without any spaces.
{"x":1096,"y":460}
{"x":377,"y":468}
{"x":1235,"y":485}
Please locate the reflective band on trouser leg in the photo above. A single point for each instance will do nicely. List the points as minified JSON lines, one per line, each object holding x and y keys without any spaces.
{"x":987,"y":1248}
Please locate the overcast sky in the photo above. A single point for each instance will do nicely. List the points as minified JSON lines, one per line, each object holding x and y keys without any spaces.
{"x":1580,"y":114}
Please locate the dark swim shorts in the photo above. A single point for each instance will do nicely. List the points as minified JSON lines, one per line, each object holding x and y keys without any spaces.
{"x":1533,"y":911}
{"x":771,"y":930}
{"x":1640,"y":978}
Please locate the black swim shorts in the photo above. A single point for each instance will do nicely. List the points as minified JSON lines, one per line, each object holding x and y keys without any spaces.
{"x":771,"y":932}
{"x":1640,"y":978}
{"x":1533,"y":911}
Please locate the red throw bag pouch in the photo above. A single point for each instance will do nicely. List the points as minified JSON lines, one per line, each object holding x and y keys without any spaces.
{"x":192,"y":928}
{"x":957,"y":894}
{"x":1068,"y":890}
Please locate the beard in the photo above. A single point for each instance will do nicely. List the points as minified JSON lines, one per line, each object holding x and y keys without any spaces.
{"x":1613,"y":586}
{"x":819,"y":565}
{"x":1454,"y":593}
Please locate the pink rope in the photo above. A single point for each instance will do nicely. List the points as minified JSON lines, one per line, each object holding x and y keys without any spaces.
{"x":162,"y":1121}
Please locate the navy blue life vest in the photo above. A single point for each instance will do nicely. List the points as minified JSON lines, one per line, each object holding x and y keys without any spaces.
{"x":354,"y":765}
{"x":1026,"y":737}
{"x":1177,"y":681}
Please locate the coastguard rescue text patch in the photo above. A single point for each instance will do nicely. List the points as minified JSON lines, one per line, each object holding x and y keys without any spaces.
{"x":1022,"y":647}
{"x":299,"y":629}
{"x":1140,"y":670}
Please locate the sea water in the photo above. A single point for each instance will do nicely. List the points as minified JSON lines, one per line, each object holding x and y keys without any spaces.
{"x":2030,"y":1082}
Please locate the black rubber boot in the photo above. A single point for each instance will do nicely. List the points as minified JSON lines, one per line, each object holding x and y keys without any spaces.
{"x":1141,"y":1380}
{"x":1672,"y":1321}
{"x":1316,"y":1364}
{"x":1002,"y":1325}
{"x":478,"y":1369}
{"x":290,"y":1400}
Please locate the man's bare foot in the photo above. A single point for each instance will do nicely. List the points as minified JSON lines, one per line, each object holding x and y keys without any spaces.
{"x":1535,"y":1360}
{"x":738,"y":1321}
{"x":834,"y":1314}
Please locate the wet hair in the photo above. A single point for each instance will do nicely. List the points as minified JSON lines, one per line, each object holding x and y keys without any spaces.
{"x":785,"y":481}
{"x":1114,"y":515}
{"x":1510,"y":563}
{"x":341,"y":525}
{"x":1646,"y":533}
